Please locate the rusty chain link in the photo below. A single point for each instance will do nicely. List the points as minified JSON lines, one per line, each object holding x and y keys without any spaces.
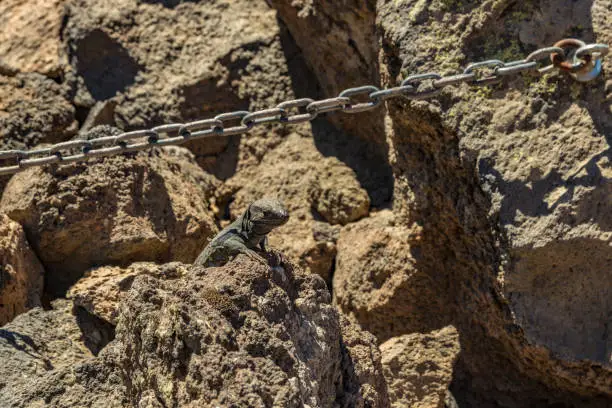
{"x":573,"y":56}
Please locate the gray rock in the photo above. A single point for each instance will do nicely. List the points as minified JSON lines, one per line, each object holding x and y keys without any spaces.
{"x":40,"y":342}
{"x":238,"y":335}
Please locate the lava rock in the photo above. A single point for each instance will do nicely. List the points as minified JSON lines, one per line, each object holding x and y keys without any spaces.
{"x":21,"y":274}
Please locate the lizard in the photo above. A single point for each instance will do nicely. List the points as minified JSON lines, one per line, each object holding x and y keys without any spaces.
{"x":246,"y":235}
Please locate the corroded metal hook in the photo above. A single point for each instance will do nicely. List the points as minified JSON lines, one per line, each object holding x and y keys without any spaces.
{"x":581,"y":61}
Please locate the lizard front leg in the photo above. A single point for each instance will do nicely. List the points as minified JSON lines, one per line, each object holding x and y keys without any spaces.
{"x":263,"y":244}
{"x":236,"y":246}
{"x":254,"y":256}
{"x":277,"y":256}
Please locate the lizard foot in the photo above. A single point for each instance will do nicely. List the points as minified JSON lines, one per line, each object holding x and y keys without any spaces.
{"x":275,"y":258}
{"x":255,"y":256}
{"x":279,"y":271}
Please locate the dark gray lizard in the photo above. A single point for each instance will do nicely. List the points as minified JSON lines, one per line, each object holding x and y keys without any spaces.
{"x":245,"y":235}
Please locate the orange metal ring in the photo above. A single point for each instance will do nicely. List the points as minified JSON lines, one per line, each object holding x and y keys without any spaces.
{"x":567,"y":65}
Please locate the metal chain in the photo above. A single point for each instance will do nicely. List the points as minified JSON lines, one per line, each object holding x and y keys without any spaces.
{"x":569,"y":55}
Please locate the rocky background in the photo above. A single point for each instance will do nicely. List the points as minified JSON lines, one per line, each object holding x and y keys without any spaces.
{"x":454,"y":252}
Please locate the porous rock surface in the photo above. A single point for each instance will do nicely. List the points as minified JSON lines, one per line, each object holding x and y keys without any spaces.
{"x":41,"y":342}
{"x":100,"y":290}
{"x":344,"y":56}
{"x":345,"y":41}
{"x":503,"y":189}
{"x":151,"y":206}
{"x":21,"y":274}
{"x":377,"y":281}
{"x":494,"y":203}
{"x":509,"y":184}
{"x":241,"y":337}
{"x":541,"y":156}
{"x":33,"y":110}
{"x":419,"y":367}
{"x":364,"y":381}
{"x":169,"y":61}
{"x":30,"y":37}
{"x":238,"y":335}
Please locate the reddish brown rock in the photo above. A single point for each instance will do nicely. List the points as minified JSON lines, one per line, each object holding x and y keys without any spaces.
{"x":163,"y":62}
{"x":30,"y":37}
{"x":377,"y":280}
{"x":101,"y":290}
{"x":499,"y":220}
{"x":21,"y":274}
{"x":419,"y":367}
{"x":509,"y":184}
{"x":152,"y":206}
{"x":344,"y":55}
{"x":34,"y":110}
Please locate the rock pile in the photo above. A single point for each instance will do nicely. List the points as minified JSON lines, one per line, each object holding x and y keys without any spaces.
{"x":450,"y":252}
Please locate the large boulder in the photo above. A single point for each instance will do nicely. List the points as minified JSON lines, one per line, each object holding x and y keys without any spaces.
{"x":21,"y":274}
{"x":377,"y":280}
{"x":242,"y":334}
{"x":151,"y":206}
{"x":510,"y":185}
{"x":317,"y":190}
{"x":239,"y":335}
{"x":419,"y":367}
{"x":344,"y":34}
{"x":102,"y":290}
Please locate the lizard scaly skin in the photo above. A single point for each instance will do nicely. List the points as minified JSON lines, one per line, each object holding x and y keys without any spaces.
{"x":246,"y":235}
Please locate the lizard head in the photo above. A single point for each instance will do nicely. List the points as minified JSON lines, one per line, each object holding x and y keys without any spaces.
{"x":266,"y":214}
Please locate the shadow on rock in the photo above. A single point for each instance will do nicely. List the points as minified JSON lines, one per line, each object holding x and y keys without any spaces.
{"x":105,"y":65}
{"x":368,"y":158}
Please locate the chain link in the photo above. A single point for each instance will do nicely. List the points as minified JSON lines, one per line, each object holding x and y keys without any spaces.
{"x":421,"y":86}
